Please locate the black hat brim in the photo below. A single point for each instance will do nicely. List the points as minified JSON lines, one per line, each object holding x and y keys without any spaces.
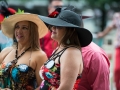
{"x":56,"y":22}
{"x":84,"y":35}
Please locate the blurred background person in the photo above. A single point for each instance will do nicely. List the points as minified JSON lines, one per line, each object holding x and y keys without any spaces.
{"x":5,"y":11}
{"x":47,"y":43}
{"x":20,"y":63}
{"x":96,"y":72}
{"x":115,"y":24}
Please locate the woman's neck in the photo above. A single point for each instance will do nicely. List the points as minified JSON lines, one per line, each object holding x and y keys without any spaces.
{"x":21,"y":47}
{"x":61,"y":46}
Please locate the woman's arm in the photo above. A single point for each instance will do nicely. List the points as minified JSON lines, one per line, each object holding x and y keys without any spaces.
{"x":71,"y":66}
{"x":40,"y":59}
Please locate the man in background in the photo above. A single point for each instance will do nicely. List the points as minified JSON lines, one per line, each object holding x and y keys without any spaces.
{"x":96,"y":71}
{"x":48,"y":44}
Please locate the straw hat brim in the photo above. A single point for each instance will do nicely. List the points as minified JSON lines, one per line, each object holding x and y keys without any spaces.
{"x":7,"y":26}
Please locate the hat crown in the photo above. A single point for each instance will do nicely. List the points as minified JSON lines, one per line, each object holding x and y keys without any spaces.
{"x":70,"y":17}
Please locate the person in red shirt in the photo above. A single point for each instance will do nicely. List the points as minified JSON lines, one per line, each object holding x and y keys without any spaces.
{"x":96,"y":71}
{"x":95,"y":75}
{"x":48,"y":44}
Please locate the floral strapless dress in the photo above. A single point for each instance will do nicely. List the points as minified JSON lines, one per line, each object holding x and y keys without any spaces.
{"x":18,"y":77}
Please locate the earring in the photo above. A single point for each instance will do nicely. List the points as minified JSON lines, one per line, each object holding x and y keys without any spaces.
{"x":68,"y":41}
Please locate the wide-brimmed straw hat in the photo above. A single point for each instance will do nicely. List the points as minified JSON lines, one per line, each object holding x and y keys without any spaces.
{"x":68,"y":18}
{"x":8,"y":24}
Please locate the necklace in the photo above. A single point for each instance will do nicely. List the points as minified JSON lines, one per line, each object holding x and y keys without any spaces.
{"x":12,"y":63}
{"x":16,"y":54}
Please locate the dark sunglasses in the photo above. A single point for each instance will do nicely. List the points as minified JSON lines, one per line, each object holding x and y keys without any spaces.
{"x":55,"y":27}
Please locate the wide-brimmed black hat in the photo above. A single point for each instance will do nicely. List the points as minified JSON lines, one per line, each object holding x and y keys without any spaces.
{"x":68,"y":18}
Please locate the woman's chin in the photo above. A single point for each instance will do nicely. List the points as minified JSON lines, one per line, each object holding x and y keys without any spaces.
{"x":19,"y":40}
{"x":54,"y":38}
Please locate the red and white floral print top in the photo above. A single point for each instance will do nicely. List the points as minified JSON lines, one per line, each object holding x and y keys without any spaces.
{"x":50,"y":73}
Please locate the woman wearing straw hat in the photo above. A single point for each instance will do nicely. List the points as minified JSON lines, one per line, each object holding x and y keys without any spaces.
{"x":64,"y":68}
{"x":20,"y":64}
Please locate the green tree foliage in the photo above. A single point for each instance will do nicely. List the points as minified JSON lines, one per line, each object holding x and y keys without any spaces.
{"x":101,"y":5}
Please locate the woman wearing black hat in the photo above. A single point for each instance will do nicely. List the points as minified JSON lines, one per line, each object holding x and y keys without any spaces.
{"x":63,"y":69}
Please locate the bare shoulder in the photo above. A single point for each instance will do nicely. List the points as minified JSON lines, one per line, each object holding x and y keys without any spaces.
{"x":39,"y":53}
{"x":40,"y":56}
{"x":4,"y":52}
{"x":72,"y":60}
{"x":73,"y":51}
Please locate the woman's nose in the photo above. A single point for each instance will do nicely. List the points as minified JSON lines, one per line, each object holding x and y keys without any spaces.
{"x":19,"y":30}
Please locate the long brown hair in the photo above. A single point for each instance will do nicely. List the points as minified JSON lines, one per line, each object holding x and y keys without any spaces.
{"x":72,"y":36}
{"x":34,"y":36}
